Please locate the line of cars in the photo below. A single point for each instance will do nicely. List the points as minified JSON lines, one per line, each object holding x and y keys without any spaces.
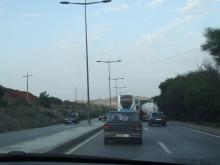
{"x":125,"y":123}
{"x":128,"y":126}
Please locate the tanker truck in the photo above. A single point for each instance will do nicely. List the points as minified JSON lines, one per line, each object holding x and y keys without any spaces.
{"x":126,"y":103}
{"x":143,"y":107}
{"x":146,"y":109}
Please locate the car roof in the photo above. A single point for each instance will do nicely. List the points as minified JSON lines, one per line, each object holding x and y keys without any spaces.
{"x":158,"y":112}
{"x":122,"y":112}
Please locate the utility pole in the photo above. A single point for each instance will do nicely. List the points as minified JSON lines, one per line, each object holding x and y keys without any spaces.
{"x":27,"y":77}
{"x":75,"y":94}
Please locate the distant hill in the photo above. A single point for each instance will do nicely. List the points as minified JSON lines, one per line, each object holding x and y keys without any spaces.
{"x":12,"y":96}
{"x":105,"y":101}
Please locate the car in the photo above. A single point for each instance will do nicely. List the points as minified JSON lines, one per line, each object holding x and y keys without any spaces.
{"x":72,"y":118}
{"x":123,"y":126}
{"x":157,"y":118}
{"x":102,"y":117}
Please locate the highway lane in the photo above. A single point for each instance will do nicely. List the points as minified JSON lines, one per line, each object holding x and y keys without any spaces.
{"x":11,"y":138}
{"x":167,"y":144}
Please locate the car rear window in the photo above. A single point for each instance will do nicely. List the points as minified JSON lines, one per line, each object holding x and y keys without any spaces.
{"x":72,"y":115}
{"x":157,"y":114}
{"x":123,"y":117}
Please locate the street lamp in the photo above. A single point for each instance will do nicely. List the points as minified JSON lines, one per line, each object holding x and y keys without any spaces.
{"x":120,"y":89}
{"x":124,"y":92}
{"x":109,"y":78}
{"x":85,"y":3}
{"x":116,"y":85}
{"x":86,"y":39}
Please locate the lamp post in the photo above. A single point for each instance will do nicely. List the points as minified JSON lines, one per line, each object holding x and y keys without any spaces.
{"x":109,"y":78}
{"x":116,"y":85}
{"x":120,"y":89}
{"x":86,"y":39}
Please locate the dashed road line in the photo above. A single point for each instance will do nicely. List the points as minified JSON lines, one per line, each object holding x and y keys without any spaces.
{"x":83,"y":143}
{"x":201,"y":132}
{"x":164,"y":147}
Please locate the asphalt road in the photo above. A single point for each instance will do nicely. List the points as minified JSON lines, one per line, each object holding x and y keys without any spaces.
{"x":173,"y":143}
{"x":11,"y":138}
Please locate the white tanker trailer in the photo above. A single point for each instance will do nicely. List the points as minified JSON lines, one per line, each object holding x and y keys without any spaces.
{"x":147,"y":109}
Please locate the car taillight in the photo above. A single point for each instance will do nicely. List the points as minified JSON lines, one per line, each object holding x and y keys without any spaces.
{"x":138,"y":127}
{"x":107,"y":126}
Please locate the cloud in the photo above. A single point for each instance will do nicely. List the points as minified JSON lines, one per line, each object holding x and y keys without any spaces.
{"x":161,"y":33}
{"x":119,"y":7}
{"x":155,"y":3}
{"x":189,"y":6}
{"x":71,"y":45}
{"x":214,"y":0}
{"x":113,"y":8}
{"x":150,"y":3}
{"x":96,"y":31}
{"x":29,"y":15}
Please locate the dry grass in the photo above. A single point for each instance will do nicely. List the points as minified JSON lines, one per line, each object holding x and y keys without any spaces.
{"x":25,"y":117}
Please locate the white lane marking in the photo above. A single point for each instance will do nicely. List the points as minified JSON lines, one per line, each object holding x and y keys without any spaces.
{"x":205,"y":133}
{"x":83,"y":143}
{"x":164,"y":147}
{"x":146,"y":129}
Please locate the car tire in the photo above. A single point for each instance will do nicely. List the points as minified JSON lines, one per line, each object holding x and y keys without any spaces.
{"x":106,"y":141}
{"x":139,"y":141}
{"x":164,"y":124}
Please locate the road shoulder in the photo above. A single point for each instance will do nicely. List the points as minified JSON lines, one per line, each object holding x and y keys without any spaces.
{"x":206,"y":129}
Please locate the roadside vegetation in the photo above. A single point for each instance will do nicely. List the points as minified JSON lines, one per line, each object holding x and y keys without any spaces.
{"x":43,"y":111}
{"x":195,"y":96}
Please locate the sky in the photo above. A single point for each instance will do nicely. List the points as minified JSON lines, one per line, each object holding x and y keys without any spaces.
{"x":155,"y":39}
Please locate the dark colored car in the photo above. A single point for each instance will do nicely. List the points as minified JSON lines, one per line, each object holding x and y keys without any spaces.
{"x":157,"y":118}
{"x":103,"y":117}
{"x":123,"y":126}
{"x":72,"y":118}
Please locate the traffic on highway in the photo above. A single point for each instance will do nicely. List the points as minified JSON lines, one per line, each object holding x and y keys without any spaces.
{"x":110,"y":82}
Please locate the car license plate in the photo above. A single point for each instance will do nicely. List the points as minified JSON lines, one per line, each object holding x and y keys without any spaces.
{"x":158,"y":119}
{"x":122,"y":135}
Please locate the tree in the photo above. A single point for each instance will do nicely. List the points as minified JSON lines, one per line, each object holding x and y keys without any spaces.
{"x":212,"y":43}
{"x":2,"y":93}
{"x":44,"y":99}
{"x":2,"y":101}
{"x":55,"y":101}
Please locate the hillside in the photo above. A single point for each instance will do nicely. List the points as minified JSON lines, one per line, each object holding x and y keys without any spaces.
{"x":12,"y":96}
{"x":16,"y":114}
